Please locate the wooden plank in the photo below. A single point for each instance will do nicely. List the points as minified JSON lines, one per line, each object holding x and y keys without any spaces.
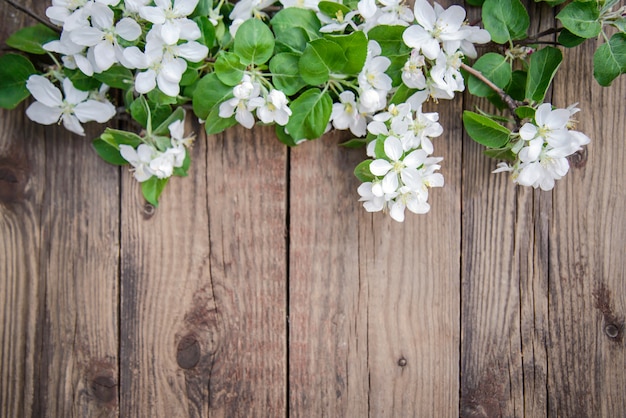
{"x":203,"y":285}
{"x":504,"y":275}
{"x":61,"y":278}
{"x":328,"y":328}
{"x":22,"y":167}
{"x":587,"y":245}
{"x":374,"y":326}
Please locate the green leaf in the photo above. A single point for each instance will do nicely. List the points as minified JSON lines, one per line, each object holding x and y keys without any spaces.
{"x":229,"y":68}
{"x":215,"y":124}
{"x":525,"y":112}
{"x":152,"y":189}
{"x":81,"y":81}
{"x":293,"y":40}
{"x":209,"y":92}
{"x":620,"y":24}
{"x":163,"y":127}
{"x":183,"y":171}
{"x":551,"y":2}
{"x":517,"y":87}
{"x":31,"y":39}
{"x":285,"y":73}
{"x":543,"y":66}
{"x":475,"y":2}
{"x":207,"y":31}
{"x":320,"y":58}
{"x":354,"y":143}
{"x":108,"y":152}
{"x":402,"y":94}
{"x":284,"y":137}
{"x":354,"y":47}
{"x":293,"y":17}
{"x":203,"y":8}
{"x":330,"y":8}
{"x":495,"y":68}
{"x":505,"y":20}
{"x":311,"y":113}
{"x":484,"y":130}
{"x":609,"y":60}
{"x":115,"y":138}
{"x":254,"y":42}
{"x":362,"y":171}
{"x":117,"y":77}
{"x":569,"y":40}
{"x":139,"y":112}
{"x":501,"y":154}
{"x":14,"y":72}
{"x":582,"y":19}
{"x":393,"y":47}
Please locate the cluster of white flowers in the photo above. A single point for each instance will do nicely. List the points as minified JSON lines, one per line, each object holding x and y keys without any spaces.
{"x":544,"y":146}
{"x":148,"y":161}
{"x":91,"y":36}
{"x":403,"y":175}
{"x":249,"y":95}
{"x":439,"y":41}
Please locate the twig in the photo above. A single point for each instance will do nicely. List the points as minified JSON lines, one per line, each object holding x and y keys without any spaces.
{"x":510,"y":102}
{"x":33,"y":15}
{"x":546,"y":32}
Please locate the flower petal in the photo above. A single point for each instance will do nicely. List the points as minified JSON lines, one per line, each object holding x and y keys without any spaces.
{"x":40,"y":113}
{"x":44,"y":91}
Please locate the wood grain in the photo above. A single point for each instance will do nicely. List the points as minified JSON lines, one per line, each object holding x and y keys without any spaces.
{"x":203,"y":285}
{"x":588,"y":272}
{"x":504,"y":274}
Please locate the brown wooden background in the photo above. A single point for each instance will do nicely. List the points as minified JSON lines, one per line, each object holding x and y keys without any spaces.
{"x":261,"y":288}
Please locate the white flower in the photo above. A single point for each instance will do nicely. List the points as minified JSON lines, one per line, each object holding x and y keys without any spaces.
{"x":302,"y":4}
{"x":272,"y":108}
{"x":172,"y":20}
{"x":346,"y":115}
{"x":339,"y":22}
{"x":407,"y":199}
{"x":239,"y":105}
{"x":413,"y":71}
{"x":395,"y":166}
{"x":435,"y":26}
{"x":445,"y":74}
{"x":102,"y":36}
{"x":551,"y":126}
{"x":140,"y":160}
{"x":177,"y":132}
{"x":373,"y":75}
{"x":421,"y":128}
{"x":371,"y":202}
{"x":73,"y":54}
{"x":75,"y":108}
{"x":247,"y":9}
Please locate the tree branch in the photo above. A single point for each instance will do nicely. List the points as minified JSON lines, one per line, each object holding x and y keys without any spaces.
{"x":32,"y":14}
{"x":510,"y":102}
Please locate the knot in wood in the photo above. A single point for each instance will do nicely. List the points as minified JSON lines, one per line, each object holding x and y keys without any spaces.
{"x":579,"y":158}
{"x":104,"y":388}
{"x":188,"y":352}
{"x":148,"y":210}
{"x":612,"y":331}
{"x":11,"y":185}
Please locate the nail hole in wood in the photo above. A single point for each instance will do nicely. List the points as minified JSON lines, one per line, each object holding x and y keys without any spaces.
{"x":402,"y":362}
{"x":579,"y":158}
{"x":104,"y":388}
{"x":188,"y":352}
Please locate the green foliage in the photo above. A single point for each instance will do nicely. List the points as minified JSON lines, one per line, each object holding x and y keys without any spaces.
{"x":393,"y":47}
{"x":209,"y":93}
{"x":362,"y":171}
{"x":152,"y":189}
{"x":117,"y":77}
{"x":543,"y":66}
{"x":581,"y":19}
{"x":286,"y":74}
{"x":14,"y":72}
{"x":495,"y":68}
{"x":609,"y":61}
{"x":354,"y":48}
{"x":108,"y":152}
{"x":31,"y":39}
{"x":484,"y":130}
{"x":320,"y":58}
{"x":505,"y":20}
{"x":311,"y":113}
{"x":254,"y":42}
{"x":229,"y":68}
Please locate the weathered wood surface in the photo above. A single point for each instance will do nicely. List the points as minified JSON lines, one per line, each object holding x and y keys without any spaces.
{"x":259,"y":287}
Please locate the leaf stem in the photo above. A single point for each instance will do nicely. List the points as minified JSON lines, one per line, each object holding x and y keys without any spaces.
{"x":33,"y":15}
{"x":510,"y":102}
